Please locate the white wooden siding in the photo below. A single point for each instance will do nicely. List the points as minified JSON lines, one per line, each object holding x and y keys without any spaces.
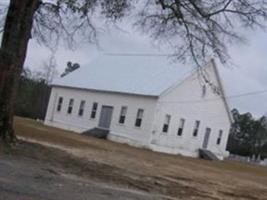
{"x":186,"y":101}
{"x":126,"y":131}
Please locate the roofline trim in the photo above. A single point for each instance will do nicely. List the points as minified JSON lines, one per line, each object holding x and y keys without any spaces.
{"x":104,"y":91}
{"x":223,"y":96}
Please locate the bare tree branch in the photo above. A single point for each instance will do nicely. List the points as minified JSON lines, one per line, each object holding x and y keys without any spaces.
{"x":205,"y":28}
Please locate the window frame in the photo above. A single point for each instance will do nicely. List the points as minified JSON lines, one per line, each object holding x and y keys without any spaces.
{"x":59,"y":103}
{"x":166,"y":124}
{"x":181,"y":127}
{"x":219,"y":138}
{"x":70,"y":106}
{"x":94,"y":110}
{"x":122,"y":116}
{"x":81,"y":108}
{"x":139,"y":119}
{"x":196,"y":128}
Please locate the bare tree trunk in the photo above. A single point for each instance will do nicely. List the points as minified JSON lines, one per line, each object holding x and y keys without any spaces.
{"x":17,"y":32}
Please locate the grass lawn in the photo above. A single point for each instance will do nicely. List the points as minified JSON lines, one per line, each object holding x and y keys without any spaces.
{"x":171,"y":175}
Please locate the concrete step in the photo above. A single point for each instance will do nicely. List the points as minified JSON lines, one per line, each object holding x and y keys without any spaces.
{"x":207,"y":155}
{"x":97,"y":132}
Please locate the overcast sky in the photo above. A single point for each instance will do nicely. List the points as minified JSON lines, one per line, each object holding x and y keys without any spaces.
{"x":249,"y":75}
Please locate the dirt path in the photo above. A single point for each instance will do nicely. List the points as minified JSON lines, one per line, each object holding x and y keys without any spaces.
{"x":160,"y":174}
{"x":25,"y":177}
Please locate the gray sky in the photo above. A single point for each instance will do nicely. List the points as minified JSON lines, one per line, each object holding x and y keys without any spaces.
{"x":249,"y":75}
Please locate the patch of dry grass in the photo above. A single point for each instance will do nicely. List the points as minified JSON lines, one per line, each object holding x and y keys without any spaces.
{"x":36,"y":130}
{"x":149,"y":170}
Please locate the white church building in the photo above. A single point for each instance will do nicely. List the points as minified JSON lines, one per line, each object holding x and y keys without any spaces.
{"x":147,"y":102}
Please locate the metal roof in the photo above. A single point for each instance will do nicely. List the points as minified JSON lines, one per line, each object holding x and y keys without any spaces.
{"x":141,"y":75}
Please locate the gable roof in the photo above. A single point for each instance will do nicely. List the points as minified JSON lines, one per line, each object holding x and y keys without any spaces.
{"x":149,"y":76}
{"x":138,"y":75}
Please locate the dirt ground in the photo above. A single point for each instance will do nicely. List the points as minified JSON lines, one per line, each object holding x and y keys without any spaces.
{"x":33,"y":172}
{"x":139,"y":171}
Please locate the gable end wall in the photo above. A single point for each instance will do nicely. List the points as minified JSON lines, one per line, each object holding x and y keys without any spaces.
{"x":185,"y":101}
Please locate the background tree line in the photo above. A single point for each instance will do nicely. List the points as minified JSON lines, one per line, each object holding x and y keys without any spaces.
{"x":34,"y":89}
{"x":248,"y":135}
{"x":33,"y":95}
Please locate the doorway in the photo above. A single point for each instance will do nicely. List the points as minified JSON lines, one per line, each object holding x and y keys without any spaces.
{"x":206,"y":138}
{"x":105,"y":117}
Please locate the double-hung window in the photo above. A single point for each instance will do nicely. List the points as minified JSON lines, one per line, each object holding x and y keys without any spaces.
{"x":94,"y":110}
{"x":166,"y":124}
{"x":123,"y":113}
{"x":219,"y":137}
{"x":70,"y":108}
{"x":195,"y":132}
{"x":181,"y":127}
{"x":59,"y":104}
{"x":81,"y":108}
{"x":139,"y":117}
